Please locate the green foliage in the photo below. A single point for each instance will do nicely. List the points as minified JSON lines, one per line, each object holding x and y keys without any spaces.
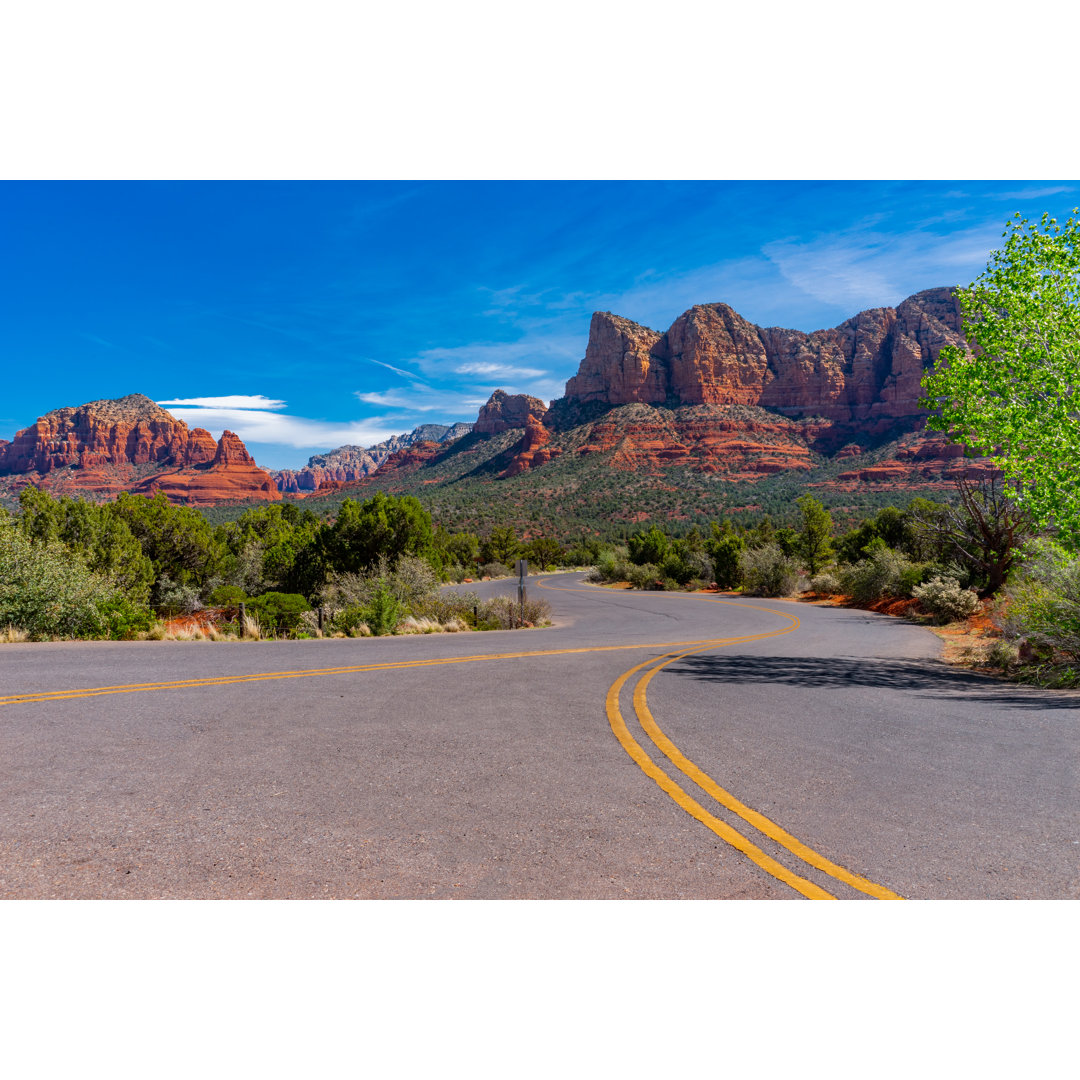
{"x":501,"y":545}
{"x":103,"y":541}
{"x":385,"y":525}
{"x":278,"y":611}
{"x":1042,"y":612}
{"x":648,"y":547}
{"x":883,"y":573}
{"x":945,"y":600}
{"x":179,"y":541}
{"x":542,"y":552}
{"x":1016,"y":394}
{"x":767,"y":571}
{"x":814,"y":541}
{"x":227,"y":596}
{"x":384,"y":611}
{"x":47,"y":591}
{"x":724,"y":548}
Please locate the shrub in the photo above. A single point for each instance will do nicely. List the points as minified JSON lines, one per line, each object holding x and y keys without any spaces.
{"x":767,"y":571}
{"x":493,"y":570}
{"x":610,"y":566}
{"x":1002,"y":654}
{"x":280,"y":611}
{"x":648,"y":547}
{"x":227,"y":596}
{"x":1043,"y":604}
{"x":176,"y":598}
{"x":46,"y":590}
{"x":945,"y":600}
{"x":643,"y":577}
{"x":384,"y":611}
{"x":884,"y":573}
{"x":825,"y":583}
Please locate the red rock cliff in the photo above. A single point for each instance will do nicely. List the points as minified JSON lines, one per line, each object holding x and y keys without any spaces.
{"x":505,"y":411}
{"x":865,"y":371}
{"x":132,"y":444}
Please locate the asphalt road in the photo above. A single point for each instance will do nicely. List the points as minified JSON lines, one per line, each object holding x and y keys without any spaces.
{"x":646,"y":746}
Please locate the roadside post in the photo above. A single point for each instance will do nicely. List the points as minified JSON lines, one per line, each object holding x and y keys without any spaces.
{"x":243,"y":618}
{"x":523,"y":572}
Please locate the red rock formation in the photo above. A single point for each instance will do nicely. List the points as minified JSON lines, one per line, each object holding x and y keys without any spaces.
{"x":866,"y":371}
{"x":132,"y":444}
{"x":619,"y":367}
{"x":533,"y":449}
{"x":506,"y":411}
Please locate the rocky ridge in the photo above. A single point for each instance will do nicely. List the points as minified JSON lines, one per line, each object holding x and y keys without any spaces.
{"x":348,"y":464}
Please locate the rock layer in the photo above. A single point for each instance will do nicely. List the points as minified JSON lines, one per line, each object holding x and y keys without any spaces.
{"x":132,"y":444}
{"x":503,"y":412}
{"x":866,"y":371}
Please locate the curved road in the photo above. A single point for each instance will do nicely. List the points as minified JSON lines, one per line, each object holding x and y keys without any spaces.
{"x":648,"y":745}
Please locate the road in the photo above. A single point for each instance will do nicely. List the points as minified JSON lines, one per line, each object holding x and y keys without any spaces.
{"x":646,"y":746}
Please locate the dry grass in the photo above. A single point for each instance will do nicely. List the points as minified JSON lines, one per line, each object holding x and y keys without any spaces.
{"x":10,"y":635}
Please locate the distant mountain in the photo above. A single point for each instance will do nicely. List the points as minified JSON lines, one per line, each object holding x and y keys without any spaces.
{"x":714,"y":415}
{"x":348,"y":464}
{"x":131,"y":444}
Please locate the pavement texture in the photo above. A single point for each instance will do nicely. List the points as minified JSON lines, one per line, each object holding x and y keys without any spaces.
{"x":491,"y":765}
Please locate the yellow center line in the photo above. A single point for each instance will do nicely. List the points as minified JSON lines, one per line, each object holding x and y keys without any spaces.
{"x":725,"y":798}
{"x":691,"y":806}
{"x":752,"y":817}
{"x":266,"y":676}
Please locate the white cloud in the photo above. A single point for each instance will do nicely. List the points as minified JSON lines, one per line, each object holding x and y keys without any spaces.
{"x":505,"y":370}
{"x":263,"y":426}
{"x":230,"y":401}
{"x":1032,"y":193}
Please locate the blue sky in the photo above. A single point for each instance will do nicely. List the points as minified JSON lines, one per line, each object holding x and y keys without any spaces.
{"x":305,"y":315}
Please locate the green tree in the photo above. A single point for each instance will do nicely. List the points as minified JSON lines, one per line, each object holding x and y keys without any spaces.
{"x":386,"y":525}
{"x":814,"y":542}
{"x":100,"y":539}
{"x":500,"y":546}
{"x":543,"y":551}
{"x":1016,"y":394}
{"x":179,"y":541}
{"x":648,"y":547}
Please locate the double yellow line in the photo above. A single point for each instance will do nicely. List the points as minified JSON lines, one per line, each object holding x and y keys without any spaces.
{"x":684,"y":765}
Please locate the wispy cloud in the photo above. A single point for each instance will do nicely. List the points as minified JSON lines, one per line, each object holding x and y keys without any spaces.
{"x":857,"y":269}
{"x":502,"y":370}
{"x":230,"y":401}
{"x":98,"y":340}
{"x":396,"y":370}
{"x":1031,"y":193}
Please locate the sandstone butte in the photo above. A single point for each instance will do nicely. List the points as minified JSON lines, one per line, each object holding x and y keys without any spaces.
{"x":132,"y":444}
{"x":719,"y":394}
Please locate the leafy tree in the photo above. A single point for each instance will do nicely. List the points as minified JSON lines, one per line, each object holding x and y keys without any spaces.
{"x":47,"y":590}
{"x":814,"y":541}
{"x":387,"y":525}
{"x":501,"y":545}
{"x":178,"y":540}
{"x":725,"y":548}
{"x":648,"y":547}
{"x":543,"y":551}
{"x":100,"y":539}
{"x":1016,"y":394}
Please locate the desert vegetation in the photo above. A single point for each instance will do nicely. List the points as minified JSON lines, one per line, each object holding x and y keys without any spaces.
{"x":141,"y":567}
{"x":938,"y":563}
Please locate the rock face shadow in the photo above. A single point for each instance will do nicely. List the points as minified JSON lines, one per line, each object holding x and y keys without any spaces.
{"x":833,"y":673}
